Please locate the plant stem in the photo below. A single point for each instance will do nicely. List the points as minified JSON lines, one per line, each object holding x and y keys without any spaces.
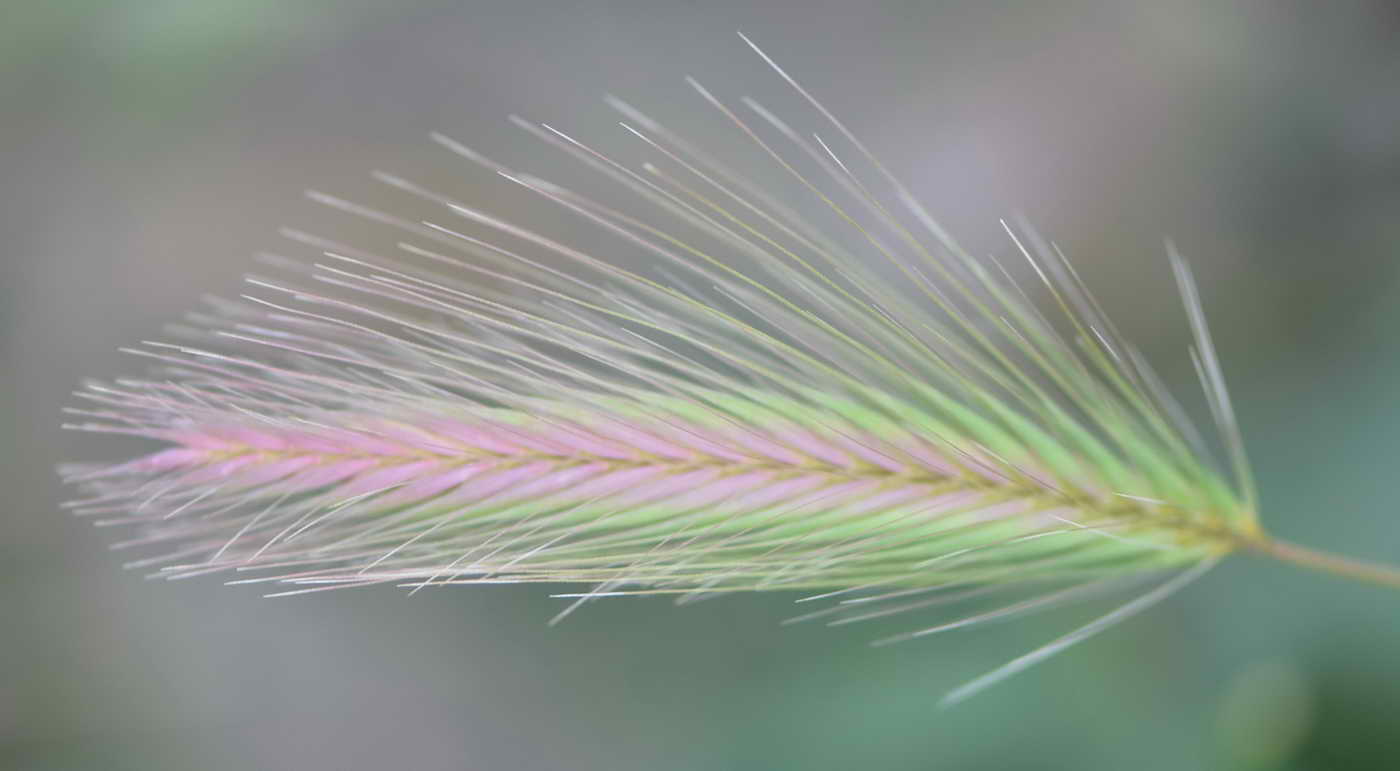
{"x":1358,"y":570}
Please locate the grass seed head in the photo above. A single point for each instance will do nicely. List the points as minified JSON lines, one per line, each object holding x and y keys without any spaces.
{"x":842,"y":403}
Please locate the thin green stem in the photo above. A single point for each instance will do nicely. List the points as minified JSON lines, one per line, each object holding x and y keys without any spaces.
{"x":1358,"y":570}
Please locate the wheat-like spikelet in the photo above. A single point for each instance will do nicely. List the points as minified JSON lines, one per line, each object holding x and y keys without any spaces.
{"x":768,"y":405}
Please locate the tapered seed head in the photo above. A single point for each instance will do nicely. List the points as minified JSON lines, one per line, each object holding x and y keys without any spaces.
{"x":841,"y":402}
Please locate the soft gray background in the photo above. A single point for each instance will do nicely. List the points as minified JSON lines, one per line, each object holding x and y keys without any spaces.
{"x":147,"y":149}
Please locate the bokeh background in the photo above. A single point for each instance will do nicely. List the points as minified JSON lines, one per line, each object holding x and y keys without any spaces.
{"x":147,"y":149}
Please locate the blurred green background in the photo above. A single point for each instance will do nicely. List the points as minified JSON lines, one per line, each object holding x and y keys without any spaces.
{"x":147,"y":149}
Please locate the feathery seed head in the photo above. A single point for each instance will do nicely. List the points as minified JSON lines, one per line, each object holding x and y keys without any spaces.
{"x":770,"y":403}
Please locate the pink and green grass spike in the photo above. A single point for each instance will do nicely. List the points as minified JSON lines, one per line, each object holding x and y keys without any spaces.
{"x":814,"y":389}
